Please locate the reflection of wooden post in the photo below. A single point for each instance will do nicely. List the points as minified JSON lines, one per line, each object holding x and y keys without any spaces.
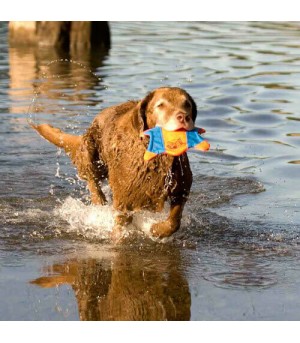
{"x":22,"y":69}
{"x":74,"y":35}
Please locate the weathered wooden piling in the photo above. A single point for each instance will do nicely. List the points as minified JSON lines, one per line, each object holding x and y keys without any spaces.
{"x":66,"y":35}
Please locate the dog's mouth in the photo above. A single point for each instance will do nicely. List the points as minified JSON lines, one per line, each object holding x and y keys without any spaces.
{"x":174,"y":125}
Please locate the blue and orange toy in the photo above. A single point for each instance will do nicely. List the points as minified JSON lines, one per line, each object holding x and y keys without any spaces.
{"x":173,"y":143}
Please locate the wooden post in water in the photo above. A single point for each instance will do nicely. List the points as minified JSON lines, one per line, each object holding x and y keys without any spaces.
{"x":66,"y":35}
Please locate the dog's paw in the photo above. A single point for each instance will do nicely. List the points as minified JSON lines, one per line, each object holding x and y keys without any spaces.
{"x":163,"y":229}
{"x":118,"y":234}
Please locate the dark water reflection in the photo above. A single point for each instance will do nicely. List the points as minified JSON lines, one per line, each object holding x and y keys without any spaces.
{"x":133,"y":286}
{"x":237,"y":254}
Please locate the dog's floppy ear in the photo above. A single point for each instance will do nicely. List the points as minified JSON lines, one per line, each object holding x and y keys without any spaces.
{"x":194,"y":107}
{"x":143,"y":108}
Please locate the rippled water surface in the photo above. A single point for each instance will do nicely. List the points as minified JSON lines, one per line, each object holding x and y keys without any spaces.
{"x":236,"y":256}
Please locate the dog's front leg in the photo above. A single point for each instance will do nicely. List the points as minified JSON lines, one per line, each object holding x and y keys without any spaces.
{"x":179,"y":190}
{"x":172,"y":224}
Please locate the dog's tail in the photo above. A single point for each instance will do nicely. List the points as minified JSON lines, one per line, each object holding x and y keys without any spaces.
{"x":61,"y":139}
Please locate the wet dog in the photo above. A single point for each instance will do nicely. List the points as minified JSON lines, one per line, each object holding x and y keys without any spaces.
{"x":113,"y":148}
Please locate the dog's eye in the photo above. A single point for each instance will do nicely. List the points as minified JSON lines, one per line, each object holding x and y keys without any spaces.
{"x":160,"y":104}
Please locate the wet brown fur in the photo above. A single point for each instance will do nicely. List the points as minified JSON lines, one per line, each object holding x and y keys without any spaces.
{"x":112,"y":148}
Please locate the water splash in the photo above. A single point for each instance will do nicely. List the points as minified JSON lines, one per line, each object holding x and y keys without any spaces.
{"x":97,"y":222}
{"x":90,"y":221}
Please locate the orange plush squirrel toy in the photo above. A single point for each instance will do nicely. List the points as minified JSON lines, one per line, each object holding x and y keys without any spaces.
{"x":173,"y":143}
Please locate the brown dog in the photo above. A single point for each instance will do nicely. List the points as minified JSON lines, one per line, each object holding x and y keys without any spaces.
{"x":112,"y":148}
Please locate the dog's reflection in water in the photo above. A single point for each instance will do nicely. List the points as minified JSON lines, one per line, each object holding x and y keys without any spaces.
{"x":131,"y":286}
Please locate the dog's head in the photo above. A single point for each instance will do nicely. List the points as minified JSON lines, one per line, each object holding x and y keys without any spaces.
{"x":169,"y":107}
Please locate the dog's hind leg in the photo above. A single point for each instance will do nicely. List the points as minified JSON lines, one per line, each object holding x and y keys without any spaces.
{"x":97,"y":195}
{"x":83,"y":154}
